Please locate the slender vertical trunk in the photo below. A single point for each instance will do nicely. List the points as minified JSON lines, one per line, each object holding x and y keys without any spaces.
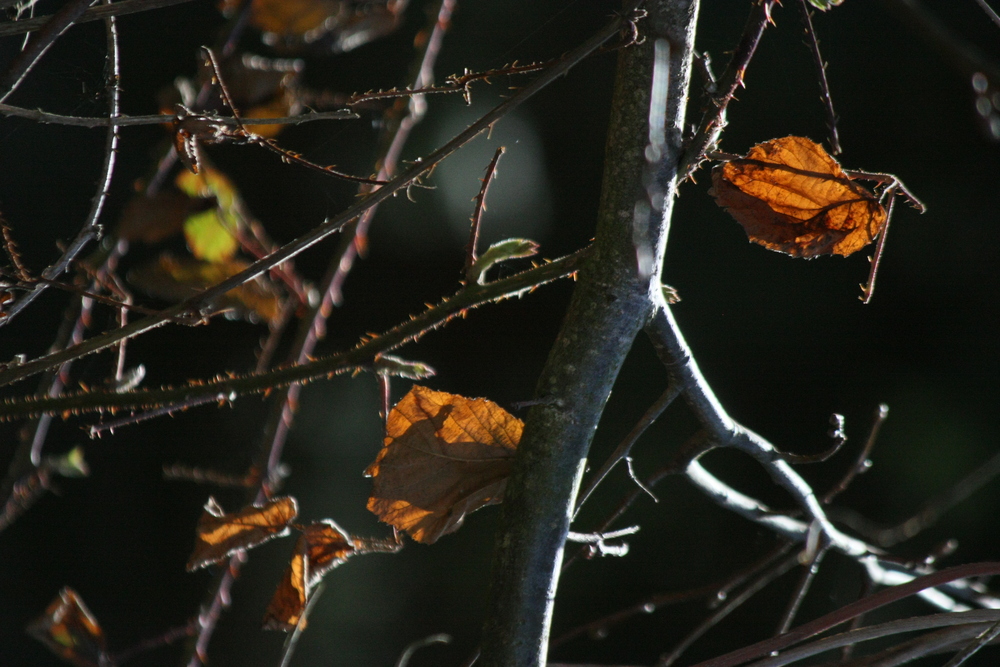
{"x":610,"y":305}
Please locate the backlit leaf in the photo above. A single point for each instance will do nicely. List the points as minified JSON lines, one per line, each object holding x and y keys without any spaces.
{"x":792,"y":197}
{"x":69,"y":629}
{"x":219,"y":535}
{"x":322,"y":547}
{"x":211,"y":234}
{"x":443,"y":456}
{"x":177,"y":278}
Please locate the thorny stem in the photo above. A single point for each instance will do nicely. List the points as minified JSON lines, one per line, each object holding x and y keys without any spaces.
{"x":398,"y":126}
{"x":199,"y":301}
{"x":477,"y":215}
{"x":45,"y":117}
{"x":714,"y":117}
{"x":223,"y":388}
{"x":824,"y":85}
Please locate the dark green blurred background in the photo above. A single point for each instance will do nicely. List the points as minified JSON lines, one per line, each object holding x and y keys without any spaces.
{"x":784,"y":342}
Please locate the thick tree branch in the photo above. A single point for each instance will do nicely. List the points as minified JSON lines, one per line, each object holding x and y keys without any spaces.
{"x":609,"y":306}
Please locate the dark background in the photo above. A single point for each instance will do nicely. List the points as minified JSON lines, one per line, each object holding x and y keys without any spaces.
{"x":784,"y":342}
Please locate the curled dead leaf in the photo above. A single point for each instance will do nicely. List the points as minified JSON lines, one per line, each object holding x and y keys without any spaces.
{"x":322,"y":547}
{"x":220,"y":535}
{"x":443,"y":456}
{"x":792,"y":197}
{"x":69,"y":629}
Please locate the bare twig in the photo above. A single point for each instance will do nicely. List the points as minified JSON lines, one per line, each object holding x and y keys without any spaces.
{"x":404,"y":659}
{"x":849,"y":611}
{"x":801,"y":588}
{"x":861,"y":463}
{"x":733,"y":603}
{"x":989,"y":11}
{"x":398,"y":126}
{"x":91,"y":228}
{"x":54,"y":26}
{"x":92,"y":14}
{"x":839,"y":439}
{"x":159,"y":119}
{"x":625,"y":446}
{"x":719,"y":592}
{"x":824,"y":85}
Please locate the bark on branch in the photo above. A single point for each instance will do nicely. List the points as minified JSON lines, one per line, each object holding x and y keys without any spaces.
{"x":610,"y":305}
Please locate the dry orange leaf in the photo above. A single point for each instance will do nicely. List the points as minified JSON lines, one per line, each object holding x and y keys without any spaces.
{"x":322,"y":547}
{"x":69,"y":629}
{"x":220,"y":535}
{"x":792,"y":197}
{"x":443,"y":456}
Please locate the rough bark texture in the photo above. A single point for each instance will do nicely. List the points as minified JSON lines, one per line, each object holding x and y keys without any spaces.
{"x":610,"y":305}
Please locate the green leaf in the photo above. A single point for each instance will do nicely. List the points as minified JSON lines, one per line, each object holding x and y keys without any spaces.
{"x":824,"y":5}
{"x":210,"y":236}
{"x":70,"y":464}
{"x":500,"y":251}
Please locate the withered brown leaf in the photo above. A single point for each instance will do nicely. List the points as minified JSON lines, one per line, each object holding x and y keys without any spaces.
{"x":792,"y":197}
{"x":322,"y":547}
{"x":443,"y":456}
{"x":220,"y":535}
{"x":69,"y":629}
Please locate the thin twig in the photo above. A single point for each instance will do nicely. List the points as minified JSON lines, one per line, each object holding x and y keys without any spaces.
{"x":718,"y":591}
{"x":714,"y":117}
{"x":733,"y":603}
{"x":166,"y":639}
{"x":861,"y":463}
{"x":847,"y":612}
{"x":839,"y":439}
{"x":286,"y":155}
{"x":160,"y":119}
{"x":984,"y":638}
{"x":439,"y":638}
{"x":824,"y":86}
{"x":625,"y":446}
{"x":989,"y":12}
{"x":398,"y":126}
{"x":95,"y":430}
{"x":801,"y":589}
{"x":26,"y":59}
{"x":120,"y":8}
{"x":477,"y":215}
